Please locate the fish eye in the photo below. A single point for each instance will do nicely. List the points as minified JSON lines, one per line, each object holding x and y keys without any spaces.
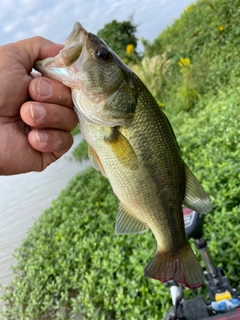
{"x":103,"y":54}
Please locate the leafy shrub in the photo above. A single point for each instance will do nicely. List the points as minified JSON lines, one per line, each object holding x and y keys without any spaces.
{"x":81,"y":151}
{"x":75,"y":131}
{"x":72,"y":262}
{"x":209,"y":140}
{"x":188,"y":90}
{"x":208,"y":34}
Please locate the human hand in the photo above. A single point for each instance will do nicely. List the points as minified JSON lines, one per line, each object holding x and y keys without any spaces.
{"x":36,"y":115}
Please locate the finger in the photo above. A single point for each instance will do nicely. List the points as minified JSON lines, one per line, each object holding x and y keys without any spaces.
{"x":51,"y":141}
{"x":36,"y":48}
{"x":47,"y":90}
{"x":19,"y":58}
{"x":46,"y":115}
{"x":50,"y":145}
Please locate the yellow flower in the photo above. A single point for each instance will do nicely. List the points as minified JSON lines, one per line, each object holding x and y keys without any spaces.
{"x":130,"y":49}
{"x":209,"y":8}
{"x":160,"y":104}
{"x":221,"y":28}
{"x":183,"y":62}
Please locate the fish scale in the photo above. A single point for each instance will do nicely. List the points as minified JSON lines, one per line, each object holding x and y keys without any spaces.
{"x":132,"y":142}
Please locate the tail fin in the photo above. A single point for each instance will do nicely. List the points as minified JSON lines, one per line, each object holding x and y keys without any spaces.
{"x":182,"y":267}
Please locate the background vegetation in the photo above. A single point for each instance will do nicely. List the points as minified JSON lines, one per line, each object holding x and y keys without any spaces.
{"x":72,"y":262}
{"x":121,"y":37}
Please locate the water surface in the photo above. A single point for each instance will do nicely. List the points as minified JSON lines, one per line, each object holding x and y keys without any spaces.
{"x":24,"y":197}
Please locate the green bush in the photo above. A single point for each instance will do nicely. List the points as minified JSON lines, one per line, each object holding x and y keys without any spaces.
{"x":208,"y":34}
{"x":81,"y":151}
{"x":75,"y":131}
{"x":72,"y":262}
{"x":209,"y":141}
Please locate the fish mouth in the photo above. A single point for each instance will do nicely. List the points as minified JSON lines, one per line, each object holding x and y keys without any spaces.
{"x":58,"y":67}
{"x":77,"y":33}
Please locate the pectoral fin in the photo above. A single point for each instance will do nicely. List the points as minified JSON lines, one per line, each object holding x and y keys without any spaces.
{"x":96,"y":161}
{"x":127,"y":223}
{"x":195,"y":196}
{"x":122,"y":148}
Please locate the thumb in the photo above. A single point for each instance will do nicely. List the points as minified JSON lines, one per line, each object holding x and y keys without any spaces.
{"x":36,"y":48}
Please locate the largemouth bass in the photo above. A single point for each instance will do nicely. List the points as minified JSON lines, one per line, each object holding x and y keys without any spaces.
{"x":132,"y":142}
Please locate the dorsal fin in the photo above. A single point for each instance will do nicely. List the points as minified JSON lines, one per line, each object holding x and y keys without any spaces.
{"x":195,"y":196}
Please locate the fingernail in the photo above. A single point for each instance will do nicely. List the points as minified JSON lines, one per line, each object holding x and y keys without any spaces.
{"x":44,"y":88}
{"x":41,"y":136}
{"x":37,"y":111}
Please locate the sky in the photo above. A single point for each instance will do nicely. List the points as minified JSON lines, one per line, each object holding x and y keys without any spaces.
{"x":54,"y":19}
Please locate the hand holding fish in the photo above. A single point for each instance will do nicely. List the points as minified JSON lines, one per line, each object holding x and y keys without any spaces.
{"x":33,"y":130}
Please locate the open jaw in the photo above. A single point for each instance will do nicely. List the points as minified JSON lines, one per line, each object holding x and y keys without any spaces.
{"x":63,"y":66}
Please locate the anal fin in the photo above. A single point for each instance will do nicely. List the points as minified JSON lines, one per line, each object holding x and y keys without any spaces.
{"x":127,"y":223}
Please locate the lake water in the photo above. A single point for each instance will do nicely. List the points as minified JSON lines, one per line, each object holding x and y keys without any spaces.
{"x":24,"y":197}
